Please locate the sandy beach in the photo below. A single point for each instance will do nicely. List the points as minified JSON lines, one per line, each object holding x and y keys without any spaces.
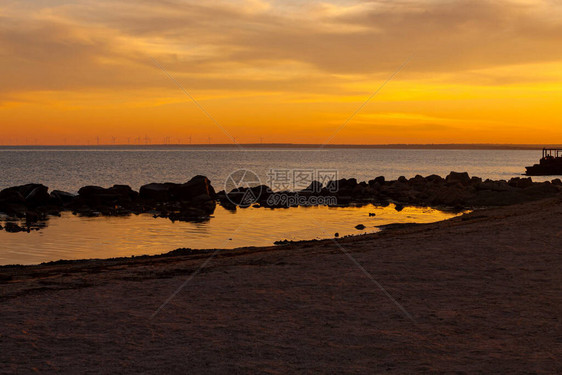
{"x":481,"y":293}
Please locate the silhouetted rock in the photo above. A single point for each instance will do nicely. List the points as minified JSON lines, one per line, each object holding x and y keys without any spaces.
{"x":360,"y":227}
{"x":61,"y":198}
{"x":97,"y":197}
{"x":315,"y":187}
{"x":458,"y":178}
{"x":158,"y":192}
{"x":198,"y":185}
{"x":434,"y":179}
{"x":11,"y":196}
{"x":520,"y":183}
{"x":543,"y":190}
{"x":379,"y":180}
{"x":38,"y":196}
{"x":20,"y":194}
{"x":13,"y":228}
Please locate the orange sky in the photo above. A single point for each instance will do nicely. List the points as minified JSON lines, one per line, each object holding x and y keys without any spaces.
{"x":479,"y":71}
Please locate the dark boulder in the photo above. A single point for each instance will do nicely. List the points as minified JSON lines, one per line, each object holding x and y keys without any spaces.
{"x":544,"y":190}
{"x":500,"y":186}
{"x":97,"y":197}
{"x":168,"y":192}
{"x":520,"y":183}
{"x":458,"y":178}
{"x":158,"y":192}
{"x":61,"y":198}
{"x":315,"y":187}
{"x":475,"y":180}
{"x":198,"y":185}
{"x":123,"y":192}
{"x":19,"y":194}
{"x":13,"y":228}
{"x":379,"y":180}
{"x":434,"y":179}
{"x":39,"y":196}
{"x":11,"y":196}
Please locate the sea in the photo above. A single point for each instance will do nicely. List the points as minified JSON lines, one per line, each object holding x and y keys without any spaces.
{"x":71,"y":167}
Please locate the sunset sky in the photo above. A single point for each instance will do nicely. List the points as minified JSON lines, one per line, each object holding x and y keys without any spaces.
{"x":280,"y":71}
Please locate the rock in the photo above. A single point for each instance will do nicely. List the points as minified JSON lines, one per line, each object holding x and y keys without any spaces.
{"x":29,"y":194}
{"x":458,"y":178}
{"x":544,"y":190}
{"x":123,"y":192}
{"x":13,"y":228}
{"x":315,"y":187}
{"x":157,"y":192}
{"x":11,"y":196}
{"x":398,"y":207}
{"x":198,"y":185}
{"x":109,"y":201}
{"x":371,"y":214}
{"x":60,"y":198}
{"x":379,"y":180}
{"x":434,"y":179}
{"x":168,"y":192}
{"x":520,"y":183}
{"x":39,"y":196}
{"x":402,"y":179}
{"x":336,"y":234}
{"x":417,"y":180}
{"x":360,"y":227}
{"x":494,"y":186}
{"x":475,"y":180}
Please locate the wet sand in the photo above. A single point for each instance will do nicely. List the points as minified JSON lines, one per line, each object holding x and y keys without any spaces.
{"x":484,"y":292}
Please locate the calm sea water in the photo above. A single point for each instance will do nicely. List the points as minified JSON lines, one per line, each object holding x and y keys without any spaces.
{"x":71,"y":168}
{"x":72,"y":237}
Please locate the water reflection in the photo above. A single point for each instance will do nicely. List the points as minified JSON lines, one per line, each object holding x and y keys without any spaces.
{"x":72,"y":237}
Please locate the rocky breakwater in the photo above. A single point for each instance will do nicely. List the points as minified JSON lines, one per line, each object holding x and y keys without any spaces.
{"x":457,"y":190}
{"x":32,"y":204}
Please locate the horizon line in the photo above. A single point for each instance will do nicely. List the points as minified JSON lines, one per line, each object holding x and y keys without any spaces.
{"x":514,"y":146}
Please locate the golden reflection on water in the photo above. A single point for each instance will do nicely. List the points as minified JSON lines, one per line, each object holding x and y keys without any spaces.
{"x":72,"y":237}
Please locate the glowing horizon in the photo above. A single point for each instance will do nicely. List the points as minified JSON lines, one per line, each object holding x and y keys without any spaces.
{"x":281,"y":72}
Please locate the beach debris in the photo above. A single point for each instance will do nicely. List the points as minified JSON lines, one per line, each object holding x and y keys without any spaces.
{"x":371,"y":214}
